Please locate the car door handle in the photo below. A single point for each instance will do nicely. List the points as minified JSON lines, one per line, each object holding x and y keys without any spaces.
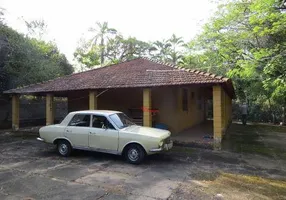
{"x":92,"y":133}
{"x":68,"y":131}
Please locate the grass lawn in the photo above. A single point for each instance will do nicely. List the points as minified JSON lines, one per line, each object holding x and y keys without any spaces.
{"x":266,"y":140}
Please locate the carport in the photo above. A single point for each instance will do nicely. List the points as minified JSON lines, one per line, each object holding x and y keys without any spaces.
{"x":152,"y":93}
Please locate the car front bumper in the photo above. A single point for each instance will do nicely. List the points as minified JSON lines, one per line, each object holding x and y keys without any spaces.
{"x":40,"y":139}
{"x":165,"y":147}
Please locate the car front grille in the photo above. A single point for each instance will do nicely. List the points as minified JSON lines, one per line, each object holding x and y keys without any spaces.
{"x":167,"y":140}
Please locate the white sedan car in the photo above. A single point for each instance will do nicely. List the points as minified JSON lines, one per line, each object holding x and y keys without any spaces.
{"x":106,"y":131}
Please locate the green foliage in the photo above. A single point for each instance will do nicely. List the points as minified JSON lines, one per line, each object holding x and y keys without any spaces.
{"x":116,"y":49}
{"x":175,"y":52}
{"x":120,"y":49}
{"x":1,"y":16}
{"x":170,"y":50}
{"x":245,"y":40}
{"x":160,"y":50}
{"x":36,"y":28}
{"x":108,"y":47}
{"x":92,"y":52}
{"x":24,"y":60}
{"x":102,"y":33}
{"x":87,"y":56}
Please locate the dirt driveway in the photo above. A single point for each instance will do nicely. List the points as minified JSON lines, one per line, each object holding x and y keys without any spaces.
{"x":251,"y":166}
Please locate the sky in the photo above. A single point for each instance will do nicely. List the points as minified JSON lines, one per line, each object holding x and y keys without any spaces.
{"x":147,"y":20}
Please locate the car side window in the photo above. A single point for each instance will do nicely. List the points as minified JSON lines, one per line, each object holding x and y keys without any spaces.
{"x":101,"y":122}
{"x":82,"y":120}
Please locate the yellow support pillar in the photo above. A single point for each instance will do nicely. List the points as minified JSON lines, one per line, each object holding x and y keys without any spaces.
{"x":92,"y":100}
{"x":50,"y":109}
{"x":217,"y":115}
{"x":147,"y":116}
{"x":227,"y":109}
{"x":230,"y":110}
{"x":15,"y":112}
{"x":223,"y":111}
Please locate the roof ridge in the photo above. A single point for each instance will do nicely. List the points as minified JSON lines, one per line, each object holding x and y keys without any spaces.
{"x":208,"y":74}
{"x":99,"y":67}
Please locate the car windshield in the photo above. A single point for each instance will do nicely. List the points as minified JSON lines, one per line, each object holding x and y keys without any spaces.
{"x":121,"y":120}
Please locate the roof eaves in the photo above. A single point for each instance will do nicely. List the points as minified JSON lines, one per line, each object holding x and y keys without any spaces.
{"x":207,"y":74}
{"x":18,"y":90}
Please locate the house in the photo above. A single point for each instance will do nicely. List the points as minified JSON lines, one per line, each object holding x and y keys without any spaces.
{"x":150,"y":92}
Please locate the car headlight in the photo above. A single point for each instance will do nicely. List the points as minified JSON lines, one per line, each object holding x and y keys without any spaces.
{"x":161,"y":144}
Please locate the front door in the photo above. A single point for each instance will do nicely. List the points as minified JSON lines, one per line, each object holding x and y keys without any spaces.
{"x":78,"y":130}
{"x":103,"y":136}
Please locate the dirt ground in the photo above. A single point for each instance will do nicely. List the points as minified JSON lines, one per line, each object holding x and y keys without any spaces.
{"x":252,"y":165}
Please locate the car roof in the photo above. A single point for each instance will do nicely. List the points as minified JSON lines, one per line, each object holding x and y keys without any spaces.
{"x":101,"y":112}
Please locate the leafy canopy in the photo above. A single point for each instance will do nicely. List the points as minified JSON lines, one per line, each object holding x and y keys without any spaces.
{"x":25,"y":60}
{"x":246,"y":41}
{"x":108,"y":46}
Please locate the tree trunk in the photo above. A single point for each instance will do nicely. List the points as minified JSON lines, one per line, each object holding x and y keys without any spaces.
{"x":271,"y":111}
{"x":102,"y":51}
{"x":284,"y":115}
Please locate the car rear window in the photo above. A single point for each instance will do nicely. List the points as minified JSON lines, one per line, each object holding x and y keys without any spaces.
{"x":82,"y":120}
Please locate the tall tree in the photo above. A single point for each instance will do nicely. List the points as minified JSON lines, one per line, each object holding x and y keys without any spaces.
{"x":108,"y":47}
{"x":102,"y":34}
{"x":245,"y":40}
{"x":36,"y":28}
{"x":176,"y":46}
{"x":160,"y":50}
{"x":120,"y":49}
{"x":87,"y":56}
{"x":2,"y":16}
{"x":26,"y":60}
{"x":170,"y":50}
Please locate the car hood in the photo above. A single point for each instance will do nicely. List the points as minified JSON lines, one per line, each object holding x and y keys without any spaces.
{"x":147,"y":131}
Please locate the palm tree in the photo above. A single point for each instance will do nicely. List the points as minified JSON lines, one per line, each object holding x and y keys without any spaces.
{"x":161,"y":49}
{"x":2,"y":16}
{"x":176,"y":43}
{"x":102,"y":34}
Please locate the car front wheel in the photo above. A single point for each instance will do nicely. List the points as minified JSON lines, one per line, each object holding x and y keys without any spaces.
{"x":134,"y":154}
{"x":64,"y":148}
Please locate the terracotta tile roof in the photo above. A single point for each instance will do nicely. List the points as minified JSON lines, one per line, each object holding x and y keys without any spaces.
{"x":140,"y":72}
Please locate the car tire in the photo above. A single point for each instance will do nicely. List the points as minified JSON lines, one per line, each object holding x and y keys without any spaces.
{"x":134,"y":154}
{"x":64,"y":148}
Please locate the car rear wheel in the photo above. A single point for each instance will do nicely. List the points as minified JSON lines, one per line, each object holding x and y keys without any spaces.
{"x":134,"y":154}
{"x":64,"y":148}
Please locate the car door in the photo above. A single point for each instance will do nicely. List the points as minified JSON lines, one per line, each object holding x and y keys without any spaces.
{"x":78,"y":129}
{"x":103,"y":136}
